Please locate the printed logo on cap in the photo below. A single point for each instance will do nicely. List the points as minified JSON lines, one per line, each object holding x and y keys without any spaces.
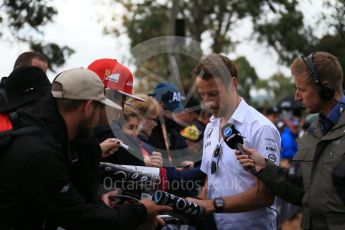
{"x":107,"y":72}
{"x":113,"y":78}
{"x":176,"y":97}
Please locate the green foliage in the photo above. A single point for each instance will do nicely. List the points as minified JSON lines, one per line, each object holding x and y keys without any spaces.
{"x":23,"y":13}
{"x":25,"y":19}
{"x":279,"y":24}
{"x":277,"y":87}
{"x":147,"y":19}
{"x":286,"y":35}
{"x":290,"y":37}
{"x":55,"y":54}
{"x":247,"y":77}
{"x":334,"y":40}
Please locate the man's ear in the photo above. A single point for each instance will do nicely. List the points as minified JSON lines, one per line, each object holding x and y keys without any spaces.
{"x":87,"y":107}
{"x":326,"y":84}
{"x":234,"y":82}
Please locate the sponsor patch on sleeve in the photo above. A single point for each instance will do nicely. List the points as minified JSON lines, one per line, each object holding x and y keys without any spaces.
{"x":209,"y":133}
{"x":207,"y":144}
{"x":272,"y":157}
{"x":271,"y":145}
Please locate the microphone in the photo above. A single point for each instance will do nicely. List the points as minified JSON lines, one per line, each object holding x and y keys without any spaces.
{"x":183,"y":208}
{"x":233,"y":138}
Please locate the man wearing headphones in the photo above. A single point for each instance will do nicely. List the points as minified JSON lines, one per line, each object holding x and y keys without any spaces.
{"x":321,"y":152}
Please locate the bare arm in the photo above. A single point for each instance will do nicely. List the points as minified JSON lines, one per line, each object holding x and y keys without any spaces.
{"x":255,"y":198}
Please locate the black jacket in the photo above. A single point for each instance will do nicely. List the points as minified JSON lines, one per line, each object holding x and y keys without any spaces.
{"x":85,"y":174}
{"x":3,"y":97}
{"x":280,"y":183}
{"x":35,"y":182}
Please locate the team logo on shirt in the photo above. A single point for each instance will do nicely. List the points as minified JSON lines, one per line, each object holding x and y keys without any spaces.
{"x":270,"y":148}
{"x":267,"y":139}
{"x":271,"y":145}
{"x":209,"y":133}
{"x":207,"y":144}
{"x":272,"y":157}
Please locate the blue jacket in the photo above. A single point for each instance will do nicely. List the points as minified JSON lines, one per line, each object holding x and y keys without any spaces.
{"x":288,"y":145}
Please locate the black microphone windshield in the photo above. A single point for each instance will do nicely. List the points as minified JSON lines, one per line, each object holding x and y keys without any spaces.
{"x":231,"y":136}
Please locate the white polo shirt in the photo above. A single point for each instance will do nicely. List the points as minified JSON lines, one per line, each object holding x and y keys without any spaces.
{"x":230,"y":178}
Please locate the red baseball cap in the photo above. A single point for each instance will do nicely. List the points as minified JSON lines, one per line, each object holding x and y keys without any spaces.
{"x":114,"y":76}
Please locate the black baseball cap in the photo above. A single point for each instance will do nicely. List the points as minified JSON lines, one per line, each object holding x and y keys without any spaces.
{"x":25,"y":84}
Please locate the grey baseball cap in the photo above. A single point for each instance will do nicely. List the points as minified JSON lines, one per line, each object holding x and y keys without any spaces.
{"x":82,"y":84}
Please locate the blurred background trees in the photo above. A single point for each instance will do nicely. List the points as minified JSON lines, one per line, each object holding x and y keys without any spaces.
{"x":277,"y":24}
{"x":24,"y":21}
{"x":283,"y":26}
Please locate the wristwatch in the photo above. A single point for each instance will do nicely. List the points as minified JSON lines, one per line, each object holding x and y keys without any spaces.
{"x":218,"y":204}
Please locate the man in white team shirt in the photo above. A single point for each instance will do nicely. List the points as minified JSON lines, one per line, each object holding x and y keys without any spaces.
{"x":235,"y":195}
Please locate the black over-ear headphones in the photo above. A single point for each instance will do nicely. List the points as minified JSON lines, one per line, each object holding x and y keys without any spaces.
{"x":326,"y":92}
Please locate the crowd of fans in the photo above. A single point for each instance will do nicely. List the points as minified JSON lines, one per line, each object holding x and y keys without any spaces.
{"x":90,"y":115}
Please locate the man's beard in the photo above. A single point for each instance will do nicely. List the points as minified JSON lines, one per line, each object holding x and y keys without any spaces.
{"x":84,"y":129}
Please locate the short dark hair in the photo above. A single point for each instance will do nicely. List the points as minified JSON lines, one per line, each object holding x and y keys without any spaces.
{"x":216,"y":66}
{"x":68,"y":105}
{"x":25,"y":59}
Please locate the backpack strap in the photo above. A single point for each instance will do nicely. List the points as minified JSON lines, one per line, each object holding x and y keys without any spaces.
{"x":13,"y":116}
{"x":16,"y":129}
{"x":24,"y":131}
{"x":20,"y":131}
{"x":3,"y":98}
{"x":7,"y":136}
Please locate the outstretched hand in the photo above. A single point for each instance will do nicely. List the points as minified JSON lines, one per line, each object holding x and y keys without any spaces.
{"x":110,"y":146}
{"x":106,"y":198}
{"x":153,"y":209}
{"x":251,"y":159}
{"x":156,"y":160}
{"x":152,"y":220}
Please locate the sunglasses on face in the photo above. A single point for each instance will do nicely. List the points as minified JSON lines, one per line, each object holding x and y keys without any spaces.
{"x":216,"y":155}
